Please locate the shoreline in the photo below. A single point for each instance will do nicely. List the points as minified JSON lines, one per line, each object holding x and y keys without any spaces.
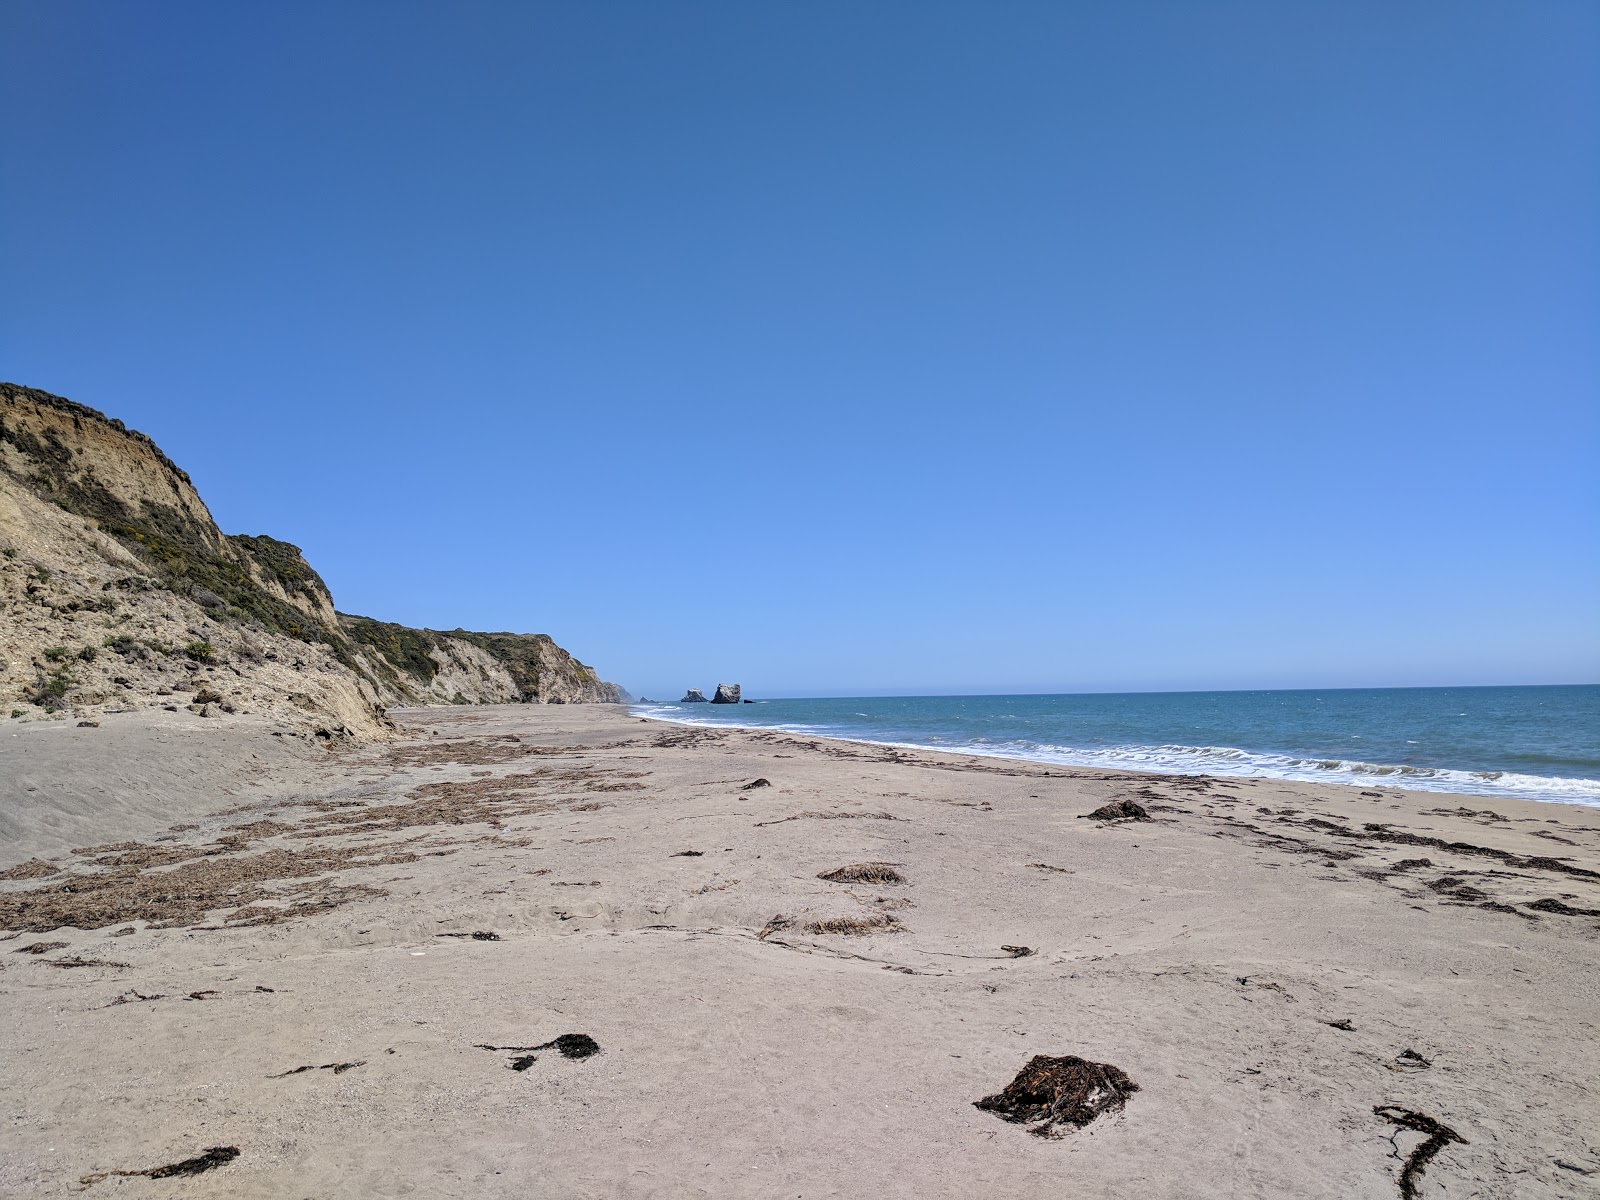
{"x":1268,"y":961}
{"x":1382,"y":775}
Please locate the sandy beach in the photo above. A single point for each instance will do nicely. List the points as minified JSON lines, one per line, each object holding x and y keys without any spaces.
{"x":353,"y":965}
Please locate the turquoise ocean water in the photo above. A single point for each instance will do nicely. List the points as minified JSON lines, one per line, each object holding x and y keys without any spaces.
{"x":1532,"y":743}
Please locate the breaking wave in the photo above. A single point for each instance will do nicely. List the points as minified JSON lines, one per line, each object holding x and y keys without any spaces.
{"x":1193,"y":760}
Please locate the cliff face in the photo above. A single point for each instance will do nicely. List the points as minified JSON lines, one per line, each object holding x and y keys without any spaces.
{"x":117,"y":589}
{"x":426,"y":666}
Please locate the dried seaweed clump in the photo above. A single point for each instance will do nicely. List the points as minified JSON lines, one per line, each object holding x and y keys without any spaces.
{"x":1120,"y":810}
{"x":1060,"y":1091}
{"x":864,"y":872}
{"x":855,"y":926}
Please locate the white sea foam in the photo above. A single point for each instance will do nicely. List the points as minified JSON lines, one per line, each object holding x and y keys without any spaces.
{"x":1213,"y":760}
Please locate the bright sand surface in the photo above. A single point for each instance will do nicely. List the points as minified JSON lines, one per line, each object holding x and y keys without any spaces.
{"x":1257,"y":958}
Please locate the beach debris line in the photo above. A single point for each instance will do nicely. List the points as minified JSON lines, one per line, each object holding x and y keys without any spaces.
{"x":40,"y":947}
{"x":1119,"y":810}
{"x":1439,"y":1136}
{"x":864,"y":872}
{"x":1049,"y":1092}
{"x":478,"y":935}
{"x":338,"y":1068}
{"x":832,"y":816}
{"x":210,"y":1159}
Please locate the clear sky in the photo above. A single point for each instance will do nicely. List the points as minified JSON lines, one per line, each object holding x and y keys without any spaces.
{"x":854,"y":347}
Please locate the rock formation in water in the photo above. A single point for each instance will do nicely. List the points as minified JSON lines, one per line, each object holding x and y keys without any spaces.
{"x":119,"y":591}
{"x":693,"y":696}
{"x":727,"y":693}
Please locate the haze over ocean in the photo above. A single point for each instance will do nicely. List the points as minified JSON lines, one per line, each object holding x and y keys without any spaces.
{"x":902,"y":347}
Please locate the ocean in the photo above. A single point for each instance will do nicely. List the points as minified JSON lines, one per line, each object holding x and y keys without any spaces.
{"x":1529,"y":743}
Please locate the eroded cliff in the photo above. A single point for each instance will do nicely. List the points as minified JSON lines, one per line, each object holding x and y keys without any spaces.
{"x":119,"y":590}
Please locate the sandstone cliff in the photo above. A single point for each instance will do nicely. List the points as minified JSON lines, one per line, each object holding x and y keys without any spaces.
{"x":117,"y":590}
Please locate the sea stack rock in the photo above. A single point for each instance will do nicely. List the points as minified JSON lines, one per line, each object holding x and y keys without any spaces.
{"x":693,"y":696}
{"x":727,"y":693}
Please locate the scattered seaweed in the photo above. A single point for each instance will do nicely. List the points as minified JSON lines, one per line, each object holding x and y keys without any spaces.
{"x":212,"y":1158}
{"x":1439,"y":1136}
{"x":1049,"y":1092}
{"x":338,"y":1068}
{"x":193,"y":888}
{"x":1551,"y":905}
{"x":1019,"y":951}
{"x":479,"y":935}
{"x":688,"y":854}
{"x":864,"y":872}
{"x":1382,"y":833}
{"x":76,"y":961}
{"x":756,"y":783}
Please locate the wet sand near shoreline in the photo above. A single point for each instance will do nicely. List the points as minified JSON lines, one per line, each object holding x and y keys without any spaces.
{"x":560,"y":951}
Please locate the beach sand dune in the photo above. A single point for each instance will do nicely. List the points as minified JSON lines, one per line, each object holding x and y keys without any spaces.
{"x":560,"y":951}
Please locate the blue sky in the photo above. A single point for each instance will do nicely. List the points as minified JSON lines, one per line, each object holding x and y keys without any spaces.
{"x":844,"y":348}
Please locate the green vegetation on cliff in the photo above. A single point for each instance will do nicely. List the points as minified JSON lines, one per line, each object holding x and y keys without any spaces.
{"x":118,"y":481}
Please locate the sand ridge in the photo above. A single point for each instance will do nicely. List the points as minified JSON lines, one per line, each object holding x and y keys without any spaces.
{"x":797,"y":989}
